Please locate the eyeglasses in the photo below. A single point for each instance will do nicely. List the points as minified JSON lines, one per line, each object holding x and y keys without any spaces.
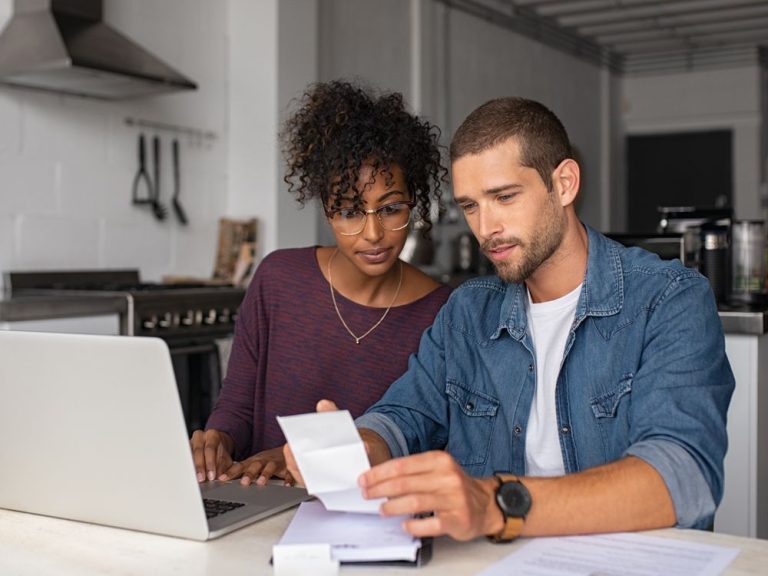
{"x":351,"y":221}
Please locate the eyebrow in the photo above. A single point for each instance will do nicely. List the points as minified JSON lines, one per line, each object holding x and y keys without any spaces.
{"x":390,"y":193}
{"x":384,"y":196}
{"x":491,"y":191}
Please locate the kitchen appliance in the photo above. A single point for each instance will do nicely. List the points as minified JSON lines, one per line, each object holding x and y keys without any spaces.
{"x":715,"y":259}
{"x":191,"y":318}
{"x":64,"y":46}
{"x":748,"y":261}
{"x":667,"y":246}
{"x":688,"y":220}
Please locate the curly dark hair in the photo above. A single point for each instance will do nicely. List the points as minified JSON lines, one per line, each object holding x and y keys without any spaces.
{"x":340,"y":126}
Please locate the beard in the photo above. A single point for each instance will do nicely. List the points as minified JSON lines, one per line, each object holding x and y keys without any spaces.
{"x":544,"y":241}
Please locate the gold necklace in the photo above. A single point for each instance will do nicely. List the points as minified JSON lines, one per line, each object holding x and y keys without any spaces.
{"x":336,"y":306}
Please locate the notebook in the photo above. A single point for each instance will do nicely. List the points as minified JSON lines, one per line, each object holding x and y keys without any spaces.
{"x":355,"y":537}
{"x":98,"y":436}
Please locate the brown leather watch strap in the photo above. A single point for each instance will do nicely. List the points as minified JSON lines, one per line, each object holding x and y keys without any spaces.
{"x":513,"y":526}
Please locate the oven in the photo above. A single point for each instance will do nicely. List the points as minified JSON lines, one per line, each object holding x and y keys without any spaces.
{"x":196,"y":320}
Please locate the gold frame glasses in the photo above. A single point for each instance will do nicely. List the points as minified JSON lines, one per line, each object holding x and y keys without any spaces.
{"x":345,"y":217}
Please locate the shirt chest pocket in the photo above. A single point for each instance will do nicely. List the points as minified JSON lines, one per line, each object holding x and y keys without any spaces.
{"x":607,"y":405}
{"x":612,"y":418}
{"x":472,"y":416}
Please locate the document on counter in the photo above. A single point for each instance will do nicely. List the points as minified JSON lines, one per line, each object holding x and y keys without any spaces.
{"x":331,"y":456}
{"x":621,"y":554}
{"x":352,"y":537}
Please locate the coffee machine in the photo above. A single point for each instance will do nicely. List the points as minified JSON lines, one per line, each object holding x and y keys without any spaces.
{"x":706,"y":240}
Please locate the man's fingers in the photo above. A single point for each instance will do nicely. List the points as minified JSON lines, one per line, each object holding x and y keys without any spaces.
{"x":424,"y":527}
{"x":436,"y":462}
{"x":326,"y":406}
{"x":410,"y":504}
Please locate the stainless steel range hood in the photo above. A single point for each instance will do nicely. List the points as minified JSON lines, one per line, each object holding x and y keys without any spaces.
{"x":64,"y":46}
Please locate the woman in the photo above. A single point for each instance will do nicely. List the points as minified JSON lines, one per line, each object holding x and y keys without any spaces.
{"x":337,"y":321}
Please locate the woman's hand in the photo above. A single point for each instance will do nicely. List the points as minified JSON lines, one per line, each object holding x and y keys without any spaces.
{"x":260,"y":468}
{"x":212,"y":453}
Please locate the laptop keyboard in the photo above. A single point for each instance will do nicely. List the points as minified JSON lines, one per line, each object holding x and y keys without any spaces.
{"x":215,"y":508}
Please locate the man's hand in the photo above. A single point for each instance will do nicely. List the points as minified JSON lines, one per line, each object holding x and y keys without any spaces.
{"x":260,"y":467}
{"x":212,"y":453}
{"x":464,"y":507}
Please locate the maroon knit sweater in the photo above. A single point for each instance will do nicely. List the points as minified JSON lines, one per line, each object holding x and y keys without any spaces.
{"x":290,"y":350}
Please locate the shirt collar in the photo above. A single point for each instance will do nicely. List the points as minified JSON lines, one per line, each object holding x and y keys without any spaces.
{"x":602,"y":292}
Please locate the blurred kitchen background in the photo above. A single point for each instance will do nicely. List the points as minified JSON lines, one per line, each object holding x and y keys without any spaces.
{"x":615,"y":75}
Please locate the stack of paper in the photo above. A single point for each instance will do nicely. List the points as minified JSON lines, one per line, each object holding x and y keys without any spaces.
{"x":331,"y":456}
{"x":353,"y":537}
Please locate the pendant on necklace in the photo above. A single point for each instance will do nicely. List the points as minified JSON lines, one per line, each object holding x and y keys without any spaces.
{"x":357,"y":340}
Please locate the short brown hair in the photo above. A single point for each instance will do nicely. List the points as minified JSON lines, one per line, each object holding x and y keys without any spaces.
{"x":542,"y":138}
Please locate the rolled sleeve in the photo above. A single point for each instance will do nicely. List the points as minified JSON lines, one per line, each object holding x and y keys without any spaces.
{"x":387,"y":429}
{"x":680,"y":399}
{"x":689,"y":490}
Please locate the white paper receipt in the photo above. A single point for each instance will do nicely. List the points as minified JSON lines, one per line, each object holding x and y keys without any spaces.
{"x":331,"y":456}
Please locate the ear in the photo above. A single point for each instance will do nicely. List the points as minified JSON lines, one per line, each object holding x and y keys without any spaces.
{"x":565,"y":181}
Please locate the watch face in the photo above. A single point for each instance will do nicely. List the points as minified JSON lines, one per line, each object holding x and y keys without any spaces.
{"x":514,"y":499}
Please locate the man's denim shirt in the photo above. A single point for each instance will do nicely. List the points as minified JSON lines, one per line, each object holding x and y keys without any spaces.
{"x":644,"y":374}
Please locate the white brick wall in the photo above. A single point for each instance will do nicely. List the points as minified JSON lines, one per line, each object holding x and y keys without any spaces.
{"x":67,"y":163}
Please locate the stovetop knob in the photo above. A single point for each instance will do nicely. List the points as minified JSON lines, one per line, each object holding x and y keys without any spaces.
{"x":166,"y":321}
{"x":224,"y":316}
{"x":210,"y":317}
{"x":189,"y":318}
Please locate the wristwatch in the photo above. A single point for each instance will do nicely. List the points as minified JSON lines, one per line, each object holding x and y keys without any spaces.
{"x":514,"y":501}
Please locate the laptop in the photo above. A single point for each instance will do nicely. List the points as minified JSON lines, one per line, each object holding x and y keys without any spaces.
{"x":93,"y":431}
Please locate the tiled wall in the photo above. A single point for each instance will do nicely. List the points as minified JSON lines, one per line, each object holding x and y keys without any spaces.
{"x":67,"y":163}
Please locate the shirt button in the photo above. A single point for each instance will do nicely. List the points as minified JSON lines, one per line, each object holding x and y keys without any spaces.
{"x":565,"y":429}
{"x":530,"y":367}
{"x":518,"y":430}
{"x":469,"y":406}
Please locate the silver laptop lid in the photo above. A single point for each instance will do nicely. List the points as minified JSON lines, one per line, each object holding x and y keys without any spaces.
{"x":96,"y":433}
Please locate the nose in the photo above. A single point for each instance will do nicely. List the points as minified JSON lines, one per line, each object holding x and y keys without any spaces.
{"x":487,"y":223}
{"x":372,"y":231}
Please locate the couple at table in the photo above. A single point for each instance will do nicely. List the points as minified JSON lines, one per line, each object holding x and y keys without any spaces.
{"x":583,"y":388}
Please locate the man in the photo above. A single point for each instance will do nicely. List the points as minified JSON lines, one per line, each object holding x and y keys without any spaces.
{"x":593,"y":376}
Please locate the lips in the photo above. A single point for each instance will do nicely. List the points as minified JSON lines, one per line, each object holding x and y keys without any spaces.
{"x":500,"y":252}
{"x":377,"y":256}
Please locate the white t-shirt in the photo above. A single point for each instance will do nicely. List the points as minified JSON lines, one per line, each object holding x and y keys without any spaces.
{"x":549,"y":323}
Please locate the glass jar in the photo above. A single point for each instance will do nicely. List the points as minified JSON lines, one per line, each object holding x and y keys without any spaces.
{"x":748,"y":260}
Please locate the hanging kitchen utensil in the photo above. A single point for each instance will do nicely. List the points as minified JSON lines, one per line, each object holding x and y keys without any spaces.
{"x":175,"y":202}
{"x":158,"y":209}
{"x":142,"y":177}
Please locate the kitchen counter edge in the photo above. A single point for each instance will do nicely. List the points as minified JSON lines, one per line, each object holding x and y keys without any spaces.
{"x":21,"y":309}
{"x":25,"y":308}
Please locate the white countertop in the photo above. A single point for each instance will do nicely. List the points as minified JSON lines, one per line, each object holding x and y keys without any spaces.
{"x":36,"y":545}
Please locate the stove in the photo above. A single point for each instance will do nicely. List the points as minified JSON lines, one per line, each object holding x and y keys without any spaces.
{"x":173,"y":312}
{"x":192,"y":318}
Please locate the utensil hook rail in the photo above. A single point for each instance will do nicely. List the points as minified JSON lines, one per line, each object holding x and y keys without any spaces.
{"x":174,"y":128}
